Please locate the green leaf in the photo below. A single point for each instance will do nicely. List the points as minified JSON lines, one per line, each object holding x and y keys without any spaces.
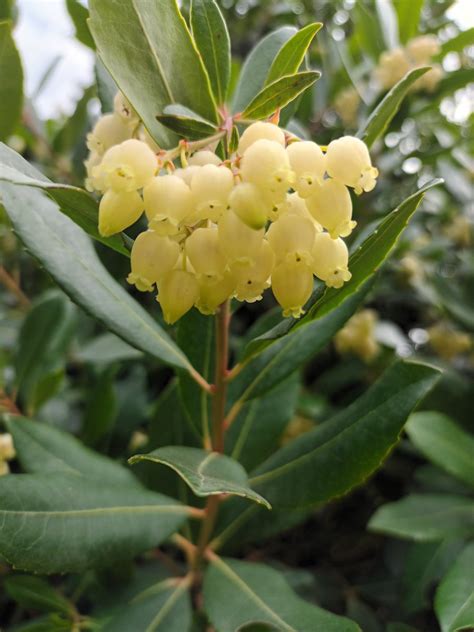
{"x":171,"y":69}
{"x":380,"y":118}
{"x":426,"y":518}
{"x":106,"y":86}
{"x":444,"y":443}
{"x":459,"y":43}
{"x":67,"y":526}
{"x":44,"y":449}
{"x":185,"y":122}
{"x":34,"y":593}
{"x":101,"y":407}
{"x":367,"y":30}
{"x":238,"y":593}
{"x":106,"y":349}
{"x":162,"y":607}
{"x":77,"y":204}
{"x":408,"y":18}
{"x":67,"y":254}
{"x":206,"y":473}
{"x":79,"y":16}
{"x":303,"y":473}
{"x":43,"y":342}
{"x":212,"y":39}
{"x":292,"y":53}
{"x":388,"y":22}
{"x":71,"y":134}
{"x":11,"y":85}
{"x":255,"y":70}
{"x":279,"y":93}
{"x":454,"y":599}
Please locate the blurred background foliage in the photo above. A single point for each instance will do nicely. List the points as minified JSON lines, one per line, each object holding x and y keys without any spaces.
{"x":61,"y":367}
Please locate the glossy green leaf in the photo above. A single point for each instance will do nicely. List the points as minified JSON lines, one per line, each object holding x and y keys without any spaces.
{"x":206,"y":473}
{"x":43,"y":342}
{"x":212,"y":39}
{"x":11,"y":85}
{"x":459,"y":43}
{"x":444,"y":443}
{"x":381,"y":117}
{"x":34,"y":593}
{"x":101,"y":407}
{"x":367,"y":29}
{"x":303,"y":472}
{"x":408,"y":18}
{"x":426,"y":518}
{"x":162,"y":607}
{"x":292,"y":54}
{"x":259,"y":594}
{"x":79,"y":16}
{"x":388,"y":22}
{"x":457,"y":298}
{"x":171,"y":69}
{"x":76,"y":203}
{"x":106,"y":349}
{"x":68,"y":526}
{"x":41,"y":448}
{"x":185,"y":122}
{"x":67,"y":254}
{"x":279,"y":93}
{"x":454,"y":599}
{"x":257,"y":65}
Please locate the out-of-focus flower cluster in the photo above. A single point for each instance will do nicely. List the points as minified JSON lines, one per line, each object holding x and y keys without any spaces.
{"x":394,"y":64}
{"x":273,"y":214}
{"x":7,"y":452}
{"x":358,"y":336}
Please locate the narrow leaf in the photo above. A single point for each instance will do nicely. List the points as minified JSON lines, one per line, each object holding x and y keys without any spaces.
{"x":34,"y":593}
{"x":11,"y":85}
{"x":380,"y":118}
{"x":459,"y":43}
{"x":69,"y":526}
{"x":388,"y":21}
{"x":454,"y":599}
{"x":367,"y":30}
{"x":408,"y":18}
{"x":279,"y":93}
{"x":185,"y":122}
{"x":79,"y":16}
{"x":206,"y":473}
{"x":292,"y":54}
{"x":212,"y":39}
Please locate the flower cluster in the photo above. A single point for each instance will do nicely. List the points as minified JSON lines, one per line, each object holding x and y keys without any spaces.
{"x":274,"y":214}
{"x":358,"y":336}
{"x":7,"y":452}
{"x":347,"y":104}
{"x":419,"y":51}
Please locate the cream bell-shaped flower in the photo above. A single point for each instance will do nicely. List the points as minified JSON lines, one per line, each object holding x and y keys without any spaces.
{"x":295,"y":205}
{"x":204,"y":252}
{"x":258,"y":131}
{"x":151,"y":258}
{"x":118,"y":211}
{"x":239,"y":243}
{"x":330,"y":260}
{"x":210,"y":188}
{"x":266,"y":164}
{"x":309,"y":165}
{"x":421,"y":49}
{"x":213,"y":291}
{"x":291,"y":238}
{"x":93,"y":183}
{"x":348,"y":160}
{"x":7,"y":449}
{"x":110,"y":130}
{"x":249,"y":205}
{"x":168,"y":202}
{"x":125,"y":109}
{"x":331,"y":206}
{"x":292,"y":284}
{"x":186,"y":173}
{"x":177,"y":293}
{"x":204,"y":157}
{"x":252,"y":279}
{"x":127,"y":167}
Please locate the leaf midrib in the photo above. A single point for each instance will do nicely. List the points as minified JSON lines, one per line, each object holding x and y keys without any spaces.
{"x":259,"y":103}
{"x":67,"y":513}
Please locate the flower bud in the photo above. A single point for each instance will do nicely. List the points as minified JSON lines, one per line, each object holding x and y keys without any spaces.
{"x":247,"y":203}
{"x":258,"y":131}
{"x":204,"y":252}
{"x":178,"y":291}
{"x":292,"y":284}
{"x":118,"y":211}
{"x":308,"y":162}
{"x":348,"y":160}
{"x":210,"y":188}
{"x":331,"y":206}
{"x":204,"y":157}
{"x":125,"y":109}
{"x":7,"y":449}
{"x":168,"y":202}
{"x":128,"y":166}
{"x":266,"y":164}
{"x":330,"y":260}
{"x":214,"y":291}
{"x":238,"y":242}
{"x":421,"y":49}
{"x":151,"y":258}
{"x":109,"y":130}
{"x":291,"y":238}
{"x":252,"y":279}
